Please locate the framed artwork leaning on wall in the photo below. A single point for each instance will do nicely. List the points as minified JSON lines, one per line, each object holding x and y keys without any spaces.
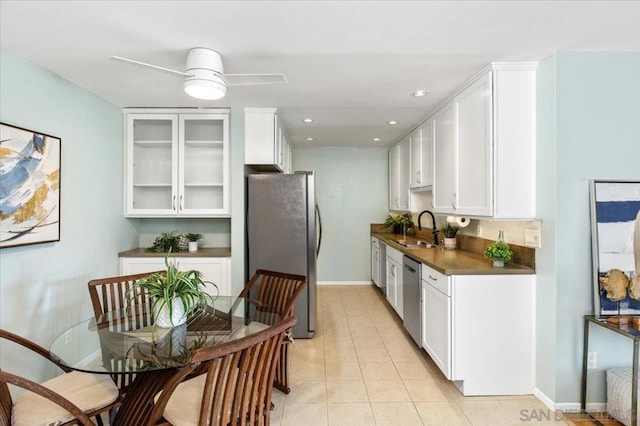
{"x":29,"y":187}
{"x":615,"y":237}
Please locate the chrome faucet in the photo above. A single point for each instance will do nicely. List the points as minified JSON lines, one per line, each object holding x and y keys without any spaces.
{"x":433,"y":221}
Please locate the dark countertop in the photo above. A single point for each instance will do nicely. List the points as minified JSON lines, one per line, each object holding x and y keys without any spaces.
{"x":452,"y":262}
{"x":202,"y":252}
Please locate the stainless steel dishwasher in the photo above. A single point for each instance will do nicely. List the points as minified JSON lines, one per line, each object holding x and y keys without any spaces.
{"x":411,"y":298}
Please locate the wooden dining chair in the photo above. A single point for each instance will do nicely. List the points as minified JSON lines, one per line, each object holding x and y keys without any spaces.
{"x":71,"y":398}
{"x":109,"y":295}
{"x":235,"y":389}
{"x":276,"y":293}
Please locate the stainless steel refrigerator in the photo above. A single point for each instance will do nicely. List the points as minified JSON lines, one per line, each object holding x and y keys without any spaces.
{"x":284,"y":234}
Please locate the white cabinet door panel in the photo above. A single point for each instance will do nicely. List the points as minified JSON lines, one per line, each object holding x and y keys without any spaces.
{"x":436,"y":327}
{"x":473,"y":149}
{"x":444,"y":167}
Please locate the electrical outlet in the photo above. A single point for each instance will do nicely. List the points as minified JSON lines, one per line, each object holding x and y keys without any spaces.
{"x":479,"y":231}
{"x":592,"y":360}
{"x":68,"y":337}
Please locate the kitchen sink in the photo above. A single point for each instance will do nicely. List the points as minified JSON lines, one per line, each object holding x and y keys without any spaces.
{"x":414,"y":245}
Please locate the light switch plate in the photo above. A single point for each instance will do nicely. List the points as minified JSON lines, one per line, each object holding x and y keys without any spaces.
{"x":532,"y":238}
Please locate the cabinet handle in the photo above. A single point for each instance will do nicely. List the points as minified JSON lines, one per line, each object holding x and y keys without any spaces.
{"x":377,"y":256}
{"x":181,"y":206}
{"x":173,"y":203}
{"x":433,"y":278}
{"x":393,"y":270}
{"x":453,"y":202}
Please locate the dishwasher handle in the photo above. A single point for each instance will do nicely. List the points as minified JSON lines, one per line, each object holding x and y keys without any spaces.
{"x":413,"y":271}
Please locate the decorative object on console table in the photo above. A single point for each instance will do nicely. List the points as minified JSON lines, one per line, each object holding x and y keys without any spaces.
{"x":499,"y":252}
{"x":615,"y":230}
{"x":449,"y":231}
{"x":174,"y":294}
{"x":30,"y":176}
{"x":193,"y":241}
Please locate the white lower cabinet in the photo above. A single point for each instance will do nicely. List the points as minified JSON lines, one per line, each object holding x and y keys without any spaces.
{"x":479,"y":330}
{"x":436,"y":318}
{"x":214,"y":269}
{"x":375,"y":261}
{"x":394,"y":279}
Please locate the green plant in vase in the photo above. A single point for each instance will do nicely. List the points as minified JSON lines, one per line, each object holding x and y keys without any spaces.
{"x":174,"y":294}
{"x":193,"y":240}
{"x":402,"y":223}
{"x":167,"y":241}
{"x":449,"y":231}
{"x":499,"y":252}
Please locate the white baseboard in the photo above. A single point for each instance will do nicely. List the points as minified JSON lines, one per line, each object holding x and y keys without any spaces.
{"x":345,"y":283}
{"x":568,"y":407}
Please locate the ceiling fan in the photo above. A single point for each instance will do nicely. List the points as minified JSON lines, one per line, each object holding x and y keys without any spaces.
{"x":204,"y":76}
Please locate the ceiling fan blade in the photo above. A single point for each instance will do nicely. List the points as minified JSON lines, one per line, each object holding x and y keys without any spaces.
{"x":144,"y":64}
{"x":254,"y":79}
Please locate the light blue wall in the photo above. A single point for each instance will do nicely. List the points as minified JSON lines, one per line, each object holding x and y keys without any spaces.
{"x":43,"y":288}
{"x":596,"y":135}
{"x":546,"y":210}
{"x":351,"y":190}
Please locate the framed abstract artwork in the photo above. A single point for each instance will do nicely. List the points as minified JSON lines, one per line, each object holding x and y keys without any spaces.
{"x":615,"y":236}
{"x":29,"y":187}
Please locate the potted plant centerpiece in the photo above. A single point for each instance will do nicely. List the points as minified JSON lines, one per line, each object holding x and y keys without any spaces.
{"x":449,"y":231}
{"x":174,"y":294}
{"x":499,"y":252}
{"x":193,"y":241}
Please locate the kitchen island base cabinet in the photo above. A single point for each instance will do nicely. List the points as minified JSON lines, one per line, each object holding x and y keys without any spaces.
{"x":214,"y":269}
{"x":482,"y":335}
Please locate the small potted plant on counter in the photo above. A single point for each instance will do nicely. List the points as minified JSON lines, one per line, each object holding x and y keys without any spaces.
{"x":449,"y":231}
{"x":167,"y":241}
{"x":499,"y":252}
{"x":402,"y":223}
{"x":193,"y":241}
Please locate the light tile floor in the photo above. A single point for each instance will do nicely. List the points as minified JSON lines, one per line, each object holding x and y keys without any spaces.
{"x":361,"y":368}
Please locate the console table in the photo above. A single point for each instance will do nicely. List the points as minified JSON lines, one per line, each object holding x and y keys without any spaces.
{"x":627,"y":331}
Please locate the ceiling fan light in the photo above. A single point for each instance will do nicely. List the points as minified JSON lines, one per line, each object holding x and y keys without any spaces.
{"x":205,"y":89}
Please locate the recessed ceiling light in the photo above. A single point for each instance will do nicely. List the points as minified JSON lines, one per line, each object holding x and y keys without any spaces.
{"x":392,"y":122}
{"x":419,"y":93}
{"x":309,"y":139}
{"x":308,"y":120}
{"x":376,"y":139}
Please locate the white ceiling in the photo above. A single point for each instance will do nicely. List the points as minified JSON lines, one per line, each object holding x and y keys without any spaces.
{"x":350,"y":65}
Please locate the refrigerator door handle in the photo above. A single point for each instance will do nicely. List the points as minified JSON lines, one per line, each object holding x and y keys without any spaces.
{"x":319,"y":230}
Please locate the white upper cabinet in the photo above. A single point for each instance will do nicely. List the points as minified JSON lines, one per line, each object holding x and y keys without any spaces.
{"x":422,"y":156}
{"x":266,"y":141}
{"x":444,"y":150}
{"x":473,"y":162}
{"x":177,"y":164}
{"x":399,"y":175}
{"x":484,"y":146}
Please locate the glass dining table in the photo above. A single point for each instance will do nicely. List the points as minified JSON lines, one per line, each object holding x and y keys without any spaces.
{"x":124,"y":342}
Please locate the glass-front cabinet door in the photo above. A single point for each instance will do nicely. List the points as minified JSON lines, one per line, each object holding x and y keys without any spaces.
{"x":152,"y":157}
{"x":203,"y":176}
{"x":177,"y":165}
